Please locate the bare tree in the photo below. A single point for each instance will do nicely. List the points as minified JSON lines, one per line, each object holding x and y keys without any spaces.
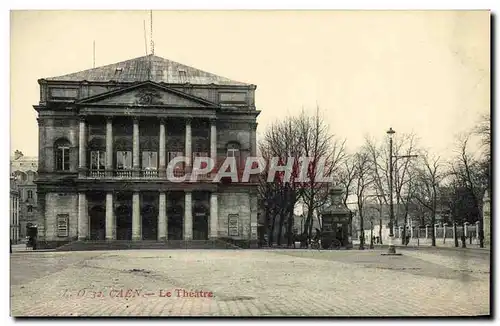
{"x":363,"y":180}
{"x":428,"y":180}
{"x":324,"y":152}
{"x":470,"y":173}
{"x":280,"y":141}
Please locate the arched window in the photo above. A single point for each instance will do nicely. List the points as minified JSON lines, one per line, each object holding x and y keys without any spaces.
{"x":62,"y":147}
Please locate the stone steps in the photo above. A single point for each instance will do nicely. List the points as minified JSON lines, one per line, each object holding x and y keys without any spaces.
{"x":90,"y":245}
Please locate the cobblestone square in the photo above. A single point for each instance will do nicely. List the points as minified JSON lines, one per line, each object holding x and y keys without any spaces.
{"x":250,"y":283}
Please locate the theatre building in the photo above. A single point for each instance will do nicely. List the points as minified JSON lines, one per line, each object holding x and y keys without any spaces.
{"x":106,"y":136}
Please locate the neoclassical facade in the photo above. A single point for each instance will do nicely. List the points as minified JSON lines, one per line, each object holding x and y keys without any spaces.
{"x":107,"y":135}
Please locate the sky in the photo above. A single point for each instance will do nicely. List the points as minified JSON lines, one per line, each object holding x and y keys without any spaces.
{"x":415,"y":71}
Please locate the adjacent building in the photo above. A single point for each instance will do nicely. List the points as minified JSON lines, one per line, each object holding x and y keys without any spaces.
{"x":107,"y":135}
{"x":14,"y":212}
{"x":23,"y":170}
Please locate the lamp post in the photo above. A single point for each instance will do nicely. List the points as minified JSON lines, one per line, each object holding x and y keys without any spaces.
{"x":392,"y":248}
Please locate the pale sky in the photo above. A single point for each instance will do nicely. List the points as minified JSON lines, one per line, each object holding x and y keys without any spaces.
{"x":414,"y":71}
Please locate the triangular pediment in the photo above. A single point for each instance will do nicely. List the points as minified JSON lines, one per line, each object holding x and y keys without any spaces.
{"x":148,"y":94}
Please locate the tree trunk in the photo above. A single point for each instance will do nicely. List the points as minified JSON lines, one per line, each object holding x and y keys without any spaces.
{"x":380,"y":232}
{"x":271,"y":230}
{"x":433,"y":233}
{"x":280,"y":229}
{"x":405,"y":222}
{"x":362,"y":229}
{"x":455,"y":233}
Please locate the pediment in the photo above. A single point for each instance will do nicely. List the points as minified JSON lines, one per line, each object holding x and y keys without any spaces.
{"x":148,"y":94}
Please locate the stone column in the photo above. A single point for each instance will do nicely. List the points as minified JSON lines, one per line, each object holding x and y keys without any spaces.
{"x":427,"y":232}
{"x":466,"y":225}
{"x":110,"y":227}
{"x":253,"y":139}
{"x":136,"y":217}
{"x":82,"y":157}
{"x":162,"y":217}
{"x":188,"y":216}
{"x":109,"y":147}
{"x":213,"y":140}
{"x":162,"y":153}
{"x":486,"y":218}
{"x":444,"y":233}
{"x":477,"y":232}
{"x":188,"y":149}
{"x":214,"y":215}
{"x":136,"y":165}
{"x":83,"y":222}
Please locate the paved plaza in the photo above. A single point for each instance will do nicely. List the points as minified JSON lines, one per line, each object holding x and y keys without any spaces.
{"x":430,"y":282}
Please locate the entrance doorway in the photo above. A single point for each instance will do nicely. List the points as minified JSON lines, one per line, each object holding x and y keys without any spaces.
{"x":149,"y":223}
{"x":97,"y":223}
{"x":175,"y":222}
{"x":200,"y":223}
{"x":123,"y":222}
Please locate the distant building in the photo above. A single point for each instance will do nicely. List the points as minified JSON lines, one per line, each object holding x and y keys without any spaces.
{"x":24,"y":172}
{"x":14,"y":211}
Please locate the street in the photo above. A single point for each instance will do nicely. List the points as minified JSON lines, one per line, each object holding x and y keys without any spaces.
{"x":250,"y":283}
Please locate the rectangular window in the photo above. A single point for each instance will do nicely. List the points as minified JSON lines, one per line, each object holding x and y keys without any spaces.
{"x":149,"y":160}
{"x":62,"y":159}
{"x":30,"y":194}
{"x":97,"y":160}
{"x":124,"y":160}
{"x":62,"y":225}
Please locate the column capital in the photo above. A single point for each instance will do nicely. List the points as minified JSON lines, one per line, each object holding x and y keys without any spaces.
{"x":188,"y":191}
{"x":135,"y":119}
{"x":82,"y":118}
{"x":189,"y":120}
{"x":253,"y":125}
{"x":212,"y":121}
{"x":163,"y":120}
{"x":109,"y":118}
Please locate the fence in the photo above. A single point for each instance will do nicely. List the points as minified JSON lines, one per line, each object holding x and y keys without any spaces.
{"x":442,"y":232}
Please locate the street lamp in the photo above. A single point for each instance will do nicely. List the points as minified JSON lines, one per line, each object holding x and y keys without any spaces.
{"x":392,"y":248}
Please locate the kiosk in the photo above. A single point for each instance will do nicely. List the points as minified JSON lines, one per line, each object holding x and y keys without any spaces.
{"x":336,"y":222}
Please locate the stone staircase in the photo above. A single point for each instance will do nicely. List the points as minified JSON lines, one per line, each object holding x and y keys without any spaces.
{"x":90,"y":245}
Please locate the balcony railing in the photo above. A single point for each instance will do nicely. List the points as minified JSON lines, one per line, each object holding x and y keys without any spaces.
{"x":123,"y":173}
{"x":149,"y":173}
{"x":178,"y":172}
{"x":97,"y":173}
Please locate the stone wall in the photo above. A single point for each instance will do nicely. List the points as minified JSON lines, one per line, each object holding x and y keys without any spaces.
{"x":234,"y":203}
{"x":61,"y":203}
{"x":51,"y":130}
